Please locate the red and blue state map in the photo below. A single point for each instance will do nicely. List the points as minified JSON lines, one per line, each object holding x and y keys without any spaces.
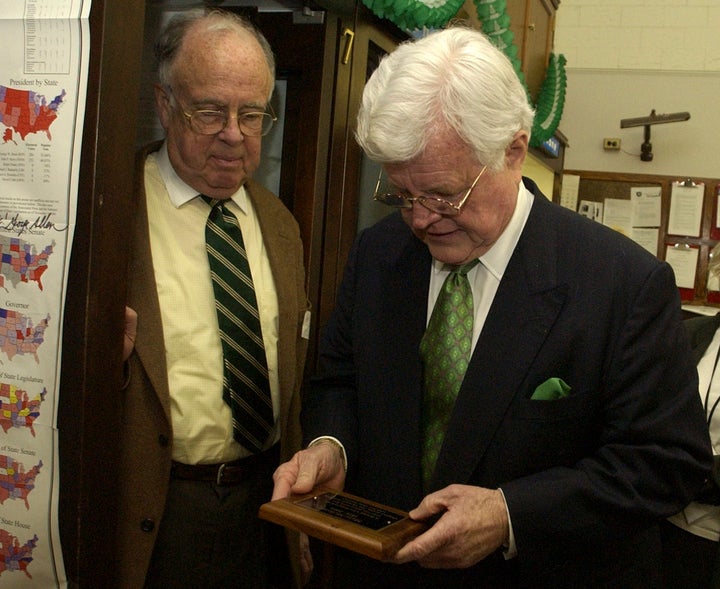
{"x":18,"y":334}
{"x":26,"y":111}
{"x":20,"y":261}
{"x":15,"y":482}
{"x":15,"y":556}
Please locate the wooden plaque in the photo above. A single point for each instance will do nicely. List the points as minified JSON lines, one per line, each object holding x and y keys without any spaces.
{"x":345,"y":520}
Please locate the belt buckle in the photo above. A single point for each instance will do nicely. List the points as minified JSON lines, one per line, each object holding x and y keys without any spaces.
{"x":220,"y":471}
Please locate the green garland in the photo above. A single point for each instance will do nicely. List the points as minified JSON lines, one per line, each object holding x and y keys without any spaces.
{"x":551,"y":98}
{"x":551,"y":101}
{"x":414,"y":14}
{"x":410,"y":15}
{"x":496,"y":25}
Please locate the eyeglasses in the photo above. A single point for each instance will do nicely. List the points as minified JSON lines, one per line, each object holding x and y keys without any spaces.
{"x":211,"y":122}
{"x":208,"y":121}
{"x":432,"y":203}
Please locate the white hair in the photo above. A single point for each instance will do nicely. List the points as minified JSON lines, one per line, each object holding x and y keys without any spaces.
{"x":455,"y":77}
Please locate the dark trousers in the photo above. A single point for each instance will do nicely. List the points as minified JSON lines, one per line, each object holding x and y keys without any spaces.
{"x":211,"y":538}
{"x":689,"y":561}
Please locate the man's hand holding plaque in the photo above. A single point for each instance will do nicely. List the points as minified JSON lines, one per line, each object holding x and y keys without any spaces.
{"x":308,"y":498}
{"x":345,"y":520}
{"x":454,"y":527}
{"x":321,"y":464}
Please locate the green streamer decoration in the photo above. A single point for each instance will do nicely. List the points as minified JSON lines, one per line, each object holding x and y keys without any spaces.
{"x":415,"y":14}
{"x":551,"y":101}
{"x":411,"y":15}
{"x":551,"y":98}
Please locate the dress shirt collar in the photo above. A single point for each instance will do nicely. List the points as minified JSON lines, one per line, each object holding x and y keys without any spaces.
{"x":498,"y":256}
{"x":180,"y":193}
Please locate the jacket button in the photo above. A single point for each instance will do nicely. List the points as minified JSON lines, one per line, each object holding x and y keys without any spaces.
{"x":147,"y":525}
{"x":163,"y":440}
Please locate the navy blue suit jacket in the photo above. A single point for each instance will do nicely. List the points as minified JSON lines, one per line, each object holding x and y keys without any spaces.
{"x":585,"y":477}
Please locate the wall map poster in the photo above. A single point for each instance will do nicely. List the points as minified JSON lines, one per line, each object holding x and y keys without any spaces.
{"x":43,"y":79}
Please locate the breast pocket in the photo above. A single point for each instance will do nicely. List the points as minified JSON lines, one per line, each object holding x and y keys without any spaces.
{"x":553,"y":433}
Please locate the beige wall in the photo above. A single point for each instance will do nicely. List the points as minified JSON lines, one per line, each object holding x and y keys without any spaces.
{"x":628,"y":57}
{"x":540,"y":174}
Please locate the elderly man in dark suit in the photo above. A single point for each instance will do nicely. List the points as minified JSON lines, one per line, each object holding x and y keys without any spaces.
{"x":543,"y":414}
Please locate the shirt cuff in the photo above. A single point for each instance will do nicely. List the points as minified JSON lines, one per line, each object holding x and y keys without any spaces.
{"x":335,"y":442}
{"x":509,"y":549}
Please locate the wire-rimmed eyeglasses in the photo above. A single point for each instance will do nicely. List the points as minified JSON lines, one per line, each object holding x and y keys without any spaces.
{"x":432,"y":203}
{"x":210,"y":121}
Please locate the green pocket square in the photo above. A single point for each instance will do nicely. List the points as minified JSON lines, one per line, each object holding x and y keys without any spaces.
{"x":551,"y":389}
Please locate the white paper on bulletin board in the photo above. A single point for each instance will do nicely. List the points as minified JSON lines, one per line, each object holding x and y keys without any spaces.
{"x":646,"y":237}
{"x":618,"y":215}
{"x":684,"y":264}
{"x":569,"y":191}
{"x":646,"y":206}
{"x":686,"y":204}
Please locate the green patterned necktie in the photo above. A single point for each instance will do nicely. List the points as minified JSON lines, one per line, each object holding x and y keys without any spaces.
{"x":246,"y":388}
{"x":445,"y":352}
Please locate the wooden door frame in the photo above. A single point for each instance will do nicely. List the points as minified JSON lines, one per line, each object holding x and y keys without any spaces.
{"x":90,"y":388}
{"x":345,"y":155}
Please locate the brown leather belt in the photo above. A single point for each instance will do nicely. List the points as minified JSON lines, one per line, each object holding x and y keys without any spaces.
{"x":229,"y":473}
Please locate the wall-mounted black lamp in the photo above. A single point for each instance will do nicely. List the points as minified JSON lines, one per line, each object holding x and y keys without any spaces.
{"x":646,"y":154}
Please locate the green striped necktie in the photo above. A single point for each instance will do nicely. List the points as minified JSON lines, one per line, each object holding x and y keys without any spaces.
{"x":246,"y":388}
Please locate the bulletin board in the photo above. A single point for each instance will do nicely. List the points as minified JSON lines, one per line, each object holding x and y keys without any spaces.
{"x":694,"y":246}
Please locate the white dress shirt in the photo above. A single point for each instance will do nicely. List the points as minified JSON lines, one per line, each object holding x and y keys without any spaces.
{"x":486,"y":276}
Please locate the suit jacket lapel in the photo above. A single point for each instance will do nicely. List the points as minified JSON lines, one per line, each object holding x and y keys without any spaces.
{"x":388,"y":312}
{"x":403,"y":337}
{"x":526,"y":305}
{"x":149,"y":343}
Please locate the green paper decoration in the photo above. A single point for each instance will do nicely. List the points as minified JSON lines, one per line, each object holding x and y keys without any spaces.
{"x":410,"y":15}
{"x":551,"y":101}
{"x":415,"y":14}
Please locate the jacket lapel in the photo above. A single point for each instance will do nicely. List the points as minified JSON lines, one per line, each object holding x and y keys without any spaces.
{"x":413,"y":269}
{"x":397,"y":271}
{"x":142,"y":296}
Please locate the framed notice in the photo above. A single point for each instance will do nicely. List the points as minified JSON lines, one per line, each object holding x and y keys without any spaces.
{"x":363,"y":526}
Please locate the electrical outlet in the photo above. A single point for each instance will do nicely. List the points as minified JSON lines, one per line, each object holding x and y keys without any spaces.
{"x":611,"y":143}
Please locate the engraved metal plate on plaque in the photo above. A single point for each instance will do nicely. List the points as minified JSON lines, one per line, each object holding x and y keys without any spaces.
{"x":349,"y":509}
